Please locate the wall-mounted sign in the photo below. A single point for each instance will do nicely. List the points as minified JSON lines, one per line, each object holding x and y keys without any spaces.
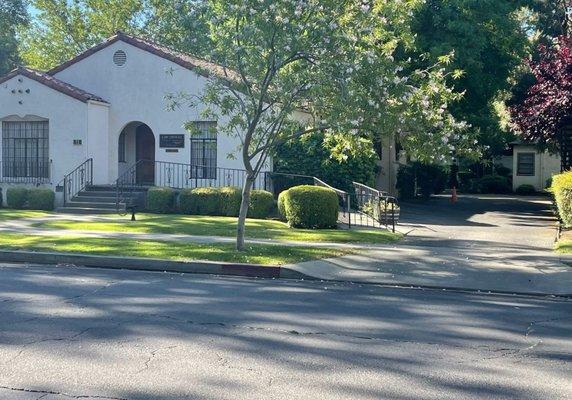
{"x":172,"y":141}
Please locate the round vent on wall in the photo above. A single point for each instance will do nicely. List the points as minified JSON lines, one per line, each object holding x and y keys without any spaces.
{"x":119,"y":58}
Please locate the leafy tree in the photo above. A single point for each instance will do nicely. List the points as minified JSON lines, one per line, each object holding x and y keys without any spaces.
{"x":312,"y":155}
{"x":12,"y":15}
{"x":489,"y":40}
{"x":553,"y":17}
{"x":62,"y":29}
{"x":332,"y":64}
{"x":180,"y":24}
{"x":549,"y":100}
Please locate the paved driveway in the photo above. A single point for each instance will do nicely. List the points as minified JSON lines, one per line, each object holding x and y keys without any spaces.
{"x":480,"y":221}
{"x":496,"y":243}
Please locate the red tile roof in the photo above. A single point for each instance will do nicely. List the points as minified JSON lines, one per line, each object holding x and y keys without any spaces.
{"x":52,"y":83}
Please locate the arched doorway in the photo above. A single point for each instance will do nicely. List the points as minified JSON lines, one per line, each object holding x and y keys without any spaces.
{"x":137,"y":147}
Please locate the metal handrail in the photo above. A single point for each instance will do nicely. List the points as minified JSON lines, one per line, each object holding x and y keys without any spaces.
{"x":377,"y":202}
{"x":77,"y":180}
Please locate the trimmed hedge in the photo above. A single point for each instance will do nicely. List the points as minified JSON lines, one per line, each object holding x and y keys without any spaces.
{"x":310,"y":207}
{"x":525,"y":190}
{"x":282,"y":205}
{"x":224,"y":201}
{"x":17,"y":197}
{"x":160,"y":200}
{"x":21,"y":198}
{"x":261,"y":204}
{"x":41,"y":199}
{"x":231,"y":197}
{"x":562,"y":190}
{"x":200,"y":201}
{"x":493,"y":184}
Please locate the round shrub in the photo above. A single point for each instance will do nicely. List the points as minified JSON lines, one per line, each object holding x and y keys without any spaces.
{"x":282,"y":205}
{"x":261,"y":204}
{"x":160,"y":200}
{"x":201,"y":201}
{"x":231,"y":197}
{"x":525,"y":190}
{"x":493,"y":184}
{"x":311,"y":207}
{"x":41,"y":199}
{"x":17,"y":197}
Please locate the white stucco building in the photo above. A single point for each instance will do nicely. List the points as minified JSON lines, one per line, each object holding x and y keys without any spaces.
{"x":108,"y":105}
{"x":532,"y":166}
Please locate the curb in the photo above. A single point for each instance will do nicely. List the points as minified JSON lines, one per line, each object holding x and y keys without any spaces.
{"x":151,"y":264}
{"x":228,"y":269}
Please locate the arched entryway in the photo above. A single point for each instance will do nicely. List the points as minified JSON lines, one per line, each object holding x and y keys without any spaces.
{"x":137,"y":147}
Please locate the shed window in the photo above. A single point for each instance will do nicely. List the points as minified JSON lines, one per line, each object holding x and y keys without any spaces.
{"x":525,"y":164}
{"x":204,"y":150}
{"x":25,"y":149}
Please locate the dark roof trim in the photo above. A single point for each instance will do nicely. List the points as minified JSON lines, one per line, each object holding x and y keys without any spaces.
{"x":202,"y":67}
{"x":53,"y":83}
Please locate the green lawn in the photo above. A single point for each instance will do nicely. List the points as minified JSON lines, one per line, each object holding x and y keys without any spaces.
{"x":255,"y":254}
{"x":564,"y":246}
{"x":224,"y":226}
{"x":7,"y":214}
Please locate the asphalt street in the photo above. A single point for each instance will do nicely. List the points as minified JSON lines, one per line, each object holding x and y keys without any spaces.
{"x":68,"y":332}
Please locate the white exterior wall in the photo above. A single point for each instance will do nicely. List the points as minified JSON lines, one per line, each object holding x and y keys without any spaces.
{"x":98,"y":141}
{"x":545,"y":166}
{"x":67,"y":121}
{"x":136,"y":92}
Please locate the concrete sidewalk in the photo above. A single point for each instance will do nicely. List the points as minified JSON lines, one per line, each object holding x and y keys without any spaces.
{"x":528,"y":271}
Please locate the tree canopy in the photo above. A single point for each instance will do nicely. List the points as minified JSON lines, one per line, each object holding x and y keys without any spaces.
{"x":296,"y":67}
{"x":489,"y":41}
{"x":63,"y":29}
{"x":548,"y":102}
{"x":12,"y":15}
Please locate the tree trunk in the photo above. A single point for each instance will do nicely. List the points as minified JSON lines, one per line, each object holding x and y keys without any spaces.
{"x":243,"y":212}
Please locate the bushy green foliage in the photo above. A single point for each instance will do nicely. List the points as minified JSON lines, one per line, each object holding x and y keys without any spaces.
{"x":160,"y":200}
{"x":17,"y":197}
{"x":311,"y":207}
{"x":200,"y":201}
{"x":41,"y":199}
{"x":224,"y":201}
{"x":282,"y":205}
{"x":430,"y":179}
{"x":310,"y":156}
{"x":562,"y":190}
{"x":231,"y":197}
{"x":493,"y":184}
{"x":261,"y":204}
{"x":525,"y":190}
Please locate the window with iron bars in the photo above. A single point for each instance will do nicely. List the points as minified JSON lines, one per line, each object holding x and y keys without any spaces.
{"x":25,"y":149}
{"x":204,"y":150}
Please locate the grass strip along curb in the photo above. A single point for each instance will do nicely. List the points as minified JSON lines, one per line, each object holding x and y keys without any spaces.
{"x":259,"y":254}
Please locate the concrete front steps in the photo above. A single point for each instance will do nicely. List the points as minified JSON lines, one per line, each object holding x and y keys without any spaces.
{"x":101,"y":199}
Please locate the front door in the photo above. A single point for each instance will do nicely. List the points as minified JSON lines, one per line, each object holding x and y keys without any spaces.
{"x":145,"y":155}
